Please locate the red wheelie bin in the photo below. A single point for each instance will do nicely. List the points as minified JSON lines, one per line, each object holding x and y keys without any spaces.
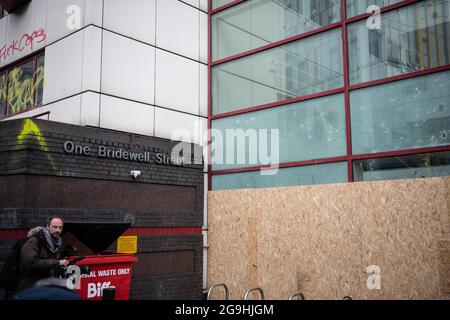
{"x":100,"y":269}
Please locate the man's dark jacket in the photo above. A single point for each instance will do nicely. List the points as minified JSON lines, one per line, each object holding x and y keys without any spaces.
{"x":36,"y":260}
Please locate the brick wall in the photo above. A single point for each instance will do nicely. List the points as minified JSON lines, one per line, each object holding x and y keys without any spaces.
{"x":38,"y":178}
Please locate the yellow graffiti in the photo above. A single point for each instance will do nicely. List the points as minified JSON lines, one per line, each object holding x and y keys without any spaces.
{"x":38,"y":82}
{"x":30,"y":129}
{"x":2,"y":93}
{"x":21,"y":91}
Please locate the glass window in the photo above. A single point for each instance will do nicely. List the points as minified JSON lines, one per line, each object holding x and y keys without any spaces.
{"x":3,"y":91}
{"x":218,"y":3}
{"x":403,"y":167}
{"x":413,"y":38}
{"x":39,"y":81}
{"x":20,"y":82}
{"x":256,"y":23}
{"x":307,"y":66}
{"x":406,"y":114}
{"x":308,"y":130}
{"x":295,"y":176}
{"x":22,"y":86}
{"x":356,"y":7}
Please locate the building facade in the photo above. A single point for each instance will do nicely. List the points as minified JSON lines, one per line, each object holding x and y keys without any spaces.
{"x":303,"y":98}
{"x":354,"y":96}
{"x":139,"y":69}
{"x":330,"y":148}
{"x":101,"y":181}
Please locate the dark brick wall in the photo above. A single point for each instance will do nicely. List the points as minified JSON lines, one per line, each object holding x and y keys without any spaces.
{"x":63,"y":192}
{"x":165,"y":263}
{"x":38,"y":179}
{"x":169,"y":285}
{"x":42,"y":153}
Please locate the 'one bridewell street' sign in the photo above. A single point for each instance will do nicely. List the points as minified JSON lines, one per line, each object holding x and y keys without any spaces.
{"x":118,"y":153}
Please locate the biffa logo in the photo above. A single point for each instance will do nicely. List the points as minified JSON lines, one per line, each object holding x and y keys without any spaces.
{"x":96,"y":289}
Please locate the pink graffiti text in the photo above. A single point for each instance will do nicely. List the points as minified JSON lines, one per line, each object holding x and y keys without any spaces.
{"x":26,"y":41}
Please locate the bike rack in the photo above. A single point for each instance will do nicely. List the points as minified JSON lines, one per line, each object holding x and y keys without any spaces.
{"x":347,"y":298}
{"x":297,"y":294}
{"x":218,"y":285}
{"x":254,"y":289}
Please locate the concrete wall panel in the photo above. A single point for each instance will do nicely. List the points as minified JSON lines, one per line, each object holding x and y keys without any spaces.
{"x":128,"y":68}
{"x":177,"y":82}
{"x":177,"y":28}
{"x":136,"y":20}
{"x":128,"y":116}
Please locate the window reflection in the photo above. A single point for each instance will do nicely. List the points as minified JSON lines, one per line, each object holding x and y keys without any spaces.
{"x":403,"y":167}
{"x":406,"y":114}
{"x":256,"y":23}
{"x":399,"y":115}
{"x":307,"y":66}
{"x":22,"y":86}
{"x":356,"y":7}
{"x":312,"y":129}
{"x":38,"y":87}
{"x":413,"y":38}
{"x":218,"y":3}
{"x":295,"y":176}
{"x":3,"y":90}
{"x":20,"y":82}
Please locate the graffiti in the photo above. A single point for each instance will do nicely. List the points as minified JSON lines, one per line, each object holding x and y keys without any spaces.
{"x":21,"y":90}
{"x":38,"y":85}
{"x":2,"y":94}
{"x":26,"y":41}
{"x":31,"y":130}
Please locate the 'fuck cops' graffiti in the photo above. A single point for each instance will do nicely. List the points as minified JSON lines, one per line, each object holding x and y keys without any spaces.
{"x":27,"y":41}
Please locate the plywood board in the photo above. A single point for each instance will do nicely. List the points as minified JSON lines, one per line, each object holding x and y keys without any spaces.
{"x":320,"y":240}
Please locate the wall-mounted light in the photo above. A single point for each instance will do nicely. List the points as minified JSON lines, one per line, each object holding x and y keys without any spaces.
{"x":135,"y":173}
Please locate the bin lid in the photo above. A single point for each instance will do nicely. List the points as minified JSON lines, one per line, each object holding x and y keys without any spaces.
{"x":108,"y":259}
{"x":96,"y":236}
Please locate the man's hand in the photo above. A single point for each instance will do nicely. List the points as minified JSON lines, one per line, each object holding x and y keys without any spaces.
{"x":63,"y":262}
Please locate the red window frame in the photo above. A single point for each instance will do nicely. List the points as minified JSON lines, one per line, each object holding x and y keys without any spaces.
{"x":346,"y":89}
{"x":6,"y":71}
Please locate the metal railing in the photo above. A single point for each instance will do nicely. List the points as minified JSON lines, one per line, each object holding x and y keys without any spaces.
{"x":297,"y":294}
{"x":216,"y":286}
{"x":254,"y":289}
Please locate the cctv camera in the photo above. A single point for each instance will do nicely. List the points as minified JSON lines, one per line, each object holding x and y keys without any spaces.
{"x":135,"y":173}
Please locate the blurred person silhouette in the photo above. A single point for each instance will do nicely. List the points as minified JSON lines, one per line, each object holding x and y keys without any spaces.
{"x":48,"y":289}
